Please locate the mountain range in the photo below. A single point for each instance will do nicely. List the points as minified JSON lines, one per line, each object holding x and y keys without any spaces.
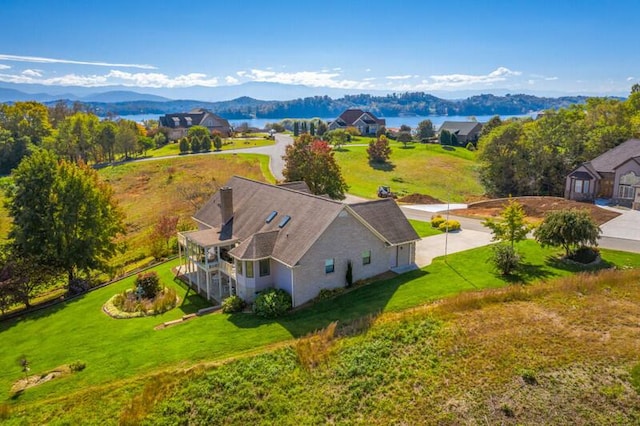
{"x":282,"y":102}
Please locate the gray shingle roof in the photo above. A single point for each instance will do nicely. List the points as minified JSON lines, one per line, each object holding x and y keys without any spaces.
{"x":296,"y":186}
{"x":607,"y":162}
{"x":462,"y":128}
{"x":350,"y":116}
{"x":259,"y":246}
{"x":387,"y":219}
{"x":310,"y":215}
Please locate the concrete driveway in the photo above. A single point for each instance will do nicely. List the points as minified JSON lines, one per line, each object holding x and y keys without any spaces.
{"x":626,"y":226}
{"x":431,"y":247}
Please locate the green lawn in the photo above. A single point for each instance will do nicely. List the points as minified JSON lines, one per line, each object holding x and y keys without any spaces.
{"x":421,"y":168}
{"x":173,"y":148}
{"x":424,"y":229}
{"x":122,"y":349}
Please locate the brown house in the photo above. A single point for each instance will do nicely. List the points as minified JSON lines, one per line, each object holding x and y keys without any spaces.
{"x":613,"y":175}
{"x":253,"y":236}
{"x":179,"y":123}
{"x":367,"y":123}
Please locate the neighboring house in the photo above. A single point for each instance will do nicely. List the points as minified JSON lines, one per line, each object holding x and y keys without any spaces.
{"x":465,"y":131}
{"x":178,"y":124}
{"x":254,"y":236}
{"x":613,"y":175}
{"x":367,"y":123}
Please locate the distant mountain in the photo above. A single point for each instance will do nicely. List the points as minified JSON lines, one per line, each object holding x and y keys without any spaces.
{"x":122,"y":96}
{"x":393,"y":105}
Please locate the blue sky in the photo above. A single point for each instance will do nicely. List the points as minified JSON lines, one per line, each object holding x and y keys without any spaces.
{"x":562,"y":46}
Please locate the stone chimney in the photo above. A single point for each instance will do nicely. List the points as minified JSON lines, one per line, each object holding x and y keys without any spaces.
{"x":226,"y":204}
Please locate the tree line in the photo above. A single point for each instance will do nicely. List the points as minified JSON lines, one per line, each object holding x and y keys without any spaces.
{"x":71,"y":133}
{"x":533,"y":156}
{"x":392,"y":105}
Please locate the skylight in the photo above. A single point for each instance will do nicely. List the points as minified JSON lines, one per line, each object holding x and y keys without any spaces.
{"x":284,"y":221}
{"x":271,"y":216}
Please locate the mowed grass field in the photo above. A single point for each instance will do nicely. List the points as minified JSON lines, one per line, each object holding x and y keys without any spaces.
{"x":173,"y":148}
{"x":449,"y":173}
{"x":147,"y":190}
{"x":122,"y":355}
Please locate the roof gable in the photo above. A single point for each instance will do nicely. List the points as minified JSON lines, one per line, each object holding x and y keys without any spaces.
{"x":610,"y":160}
{"x":351,"y":116}
{"x":386,"y":218}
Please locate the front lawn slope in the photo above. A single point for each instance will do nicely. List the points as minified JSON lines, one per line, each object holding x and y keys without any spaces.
{"x":557,"y":353}
{"x":125,"y":357}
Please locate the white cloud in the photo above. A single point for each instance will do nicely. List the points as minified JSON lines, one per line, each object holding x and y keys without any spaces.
{"x":114,"y":77}
{"x":4,"y":67}
{"x":551,"y":78}
{"x":32,"y":73}
{"x":369,"y":79}
{"x":41,"y":60}
{"x":231,"y":80}
{"x":367,"y":70}
{"x":398,"y":77}
{"x":630,"y":78}
{"x":307,"y":78}
{"x":531,"y":82}
{"x":458,"y":80}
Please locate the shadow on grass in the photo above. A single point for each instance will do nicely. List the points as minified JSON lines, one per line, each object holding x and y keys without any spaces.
{"x":408,"y":147}
{"x":448,"y":148}
{"x":458,"y":273}
{"x":385,"y":167}
{"x":368,"y":300}
{"x":192,"y":301}
{"x":527,"y":273}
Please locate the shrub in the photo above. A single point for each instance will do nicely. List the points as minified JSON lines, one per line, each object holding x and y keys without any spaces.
{"x":184,"y":146}
{"x":329,"y":293}
{"x":165,"y":301}
{"x":77,"y":366}
{"x":272,"y":303}
{"x":232,"y":304}
{"x":150,"y":284}
{"x":585,"y":255}
{"x":471,"y":146}
{"x":505,"y":258}
{"x":436,"y":220}
{"x":449,"y":225}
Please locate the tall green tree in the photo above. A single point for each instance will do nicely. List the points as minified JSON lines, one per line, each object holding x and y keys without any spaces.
{"x":106,"y":140}
{"x":12,"y":150}
{"x":379,"y":150}
{"x":26,"y":119}
{"x":569,"y":229}
{"x":312,"y":161}
{"x":425,"y":129}
{"x":63,"y":216}
{"x":445,"y":137}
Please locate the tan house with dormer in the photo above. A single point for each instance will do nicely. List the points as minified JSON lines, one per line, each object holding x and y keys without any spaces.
{"x":252,"y":236}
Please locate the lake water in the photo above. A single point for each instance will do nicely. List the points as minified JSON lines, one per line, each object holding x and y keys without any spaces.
{"x":392,"y":122}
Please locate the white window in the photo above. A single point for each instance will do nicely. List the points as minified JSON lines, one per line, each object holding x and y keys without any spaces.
{"x":329,"y":266}
{"x":581,"y":186}
{"x":625,"y":191}
{"x":366,"y":257}
{"x":249,"y":269}
{"x":265,"y":267}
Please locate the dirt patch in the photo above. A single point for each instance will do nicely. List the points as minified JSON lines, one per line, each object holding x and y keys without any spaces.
{"x":38,"y":379}
{"x":535,"y":208}
{"x":419,"y":199}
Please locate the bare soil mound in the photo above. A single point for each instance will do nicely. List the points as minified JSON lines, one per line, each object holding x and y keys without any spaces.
{"x":536,"y":207}
{"x":419,"y":199}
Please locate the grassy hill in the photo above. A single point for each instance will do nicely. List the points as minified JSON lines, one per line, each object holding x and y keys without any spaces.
{"x":127,"y":360}
{"x":425,"y":169}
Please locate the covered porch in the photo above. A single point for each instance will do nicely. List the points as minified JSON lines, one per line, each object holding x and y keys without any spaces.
{"x":206,"y":264}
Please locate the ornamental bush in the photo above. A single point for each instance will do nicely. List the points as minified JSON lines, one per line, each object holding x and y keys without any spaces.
{"x":232,"y":304}
{"x":272,"y":303}
{"x":505,"y":258}
{"x":436,"y":220}
{"x":449,"y":225}
{"x":150,"y":284}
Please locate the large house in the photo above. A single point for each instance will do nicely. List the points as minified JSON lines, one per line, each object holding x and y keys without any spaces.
{"x":252,"y":236}
{"x":613,"y":175}
{"x":179,"y":123}
{"x":367,"y":123}
{"x":465,"y":131}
